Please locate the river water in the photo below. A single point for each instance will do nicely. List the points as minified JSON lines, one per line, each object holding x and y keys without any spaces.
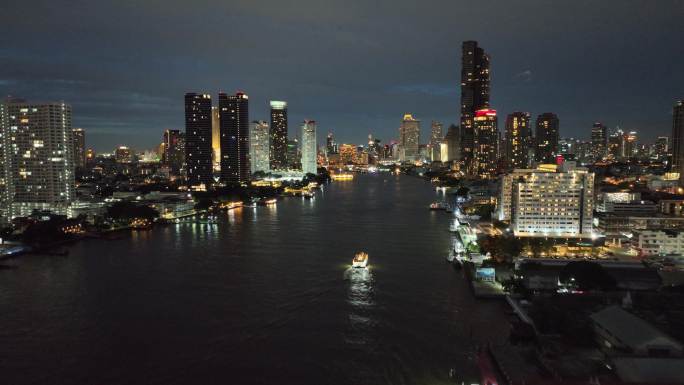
{"x":265,"y":296}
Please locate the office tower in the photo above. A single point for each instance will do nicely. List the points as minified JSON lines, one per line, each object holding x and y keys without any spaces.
{"x":122,"y":154}
{"x":436,"y":136}
{"x":173,"y":145}
{"x":215,"y":139}
{"x":90,"y":156}
{"x":450,"y":147}
{"x":615,"y":145}
{"x":309,"y":147}
{"x":79,"y":148}
{"x":485,"y":144}
{"x":278,"y":155}
{"x":330,"y":145}
{"x":198,"y":139}
{"x":661,"y":147}
{"x":550,"y":201}
{"x":409,"y":138}
{"x":678,"y":139}
{"x":599,"y":140}
{"x":259,"y":146}
{"x":629,"y":144}
{"x":234,"y":122}
{"x":38,"y":157}
{"x":546,"y":137}
{"x":293,"y":159}
{"x":474,"y":95}
{"x":518,"y":139}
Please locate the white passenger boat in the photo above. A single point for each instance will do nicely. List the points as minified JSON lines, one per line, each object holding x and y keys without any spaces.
{"x":360,"y":259}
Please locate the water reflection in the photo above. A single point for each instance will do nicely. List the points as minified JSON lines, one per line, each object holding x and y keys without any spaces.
{"x":360,"y":296}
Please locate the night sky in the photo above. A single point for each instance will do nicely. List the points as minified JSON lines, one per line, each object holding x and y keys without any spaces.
{"x":354,"y":66}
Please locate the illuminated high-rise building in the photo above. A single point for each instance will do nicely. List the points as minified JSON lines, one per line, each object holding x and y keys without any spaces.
{"x":123,"y":154}
{"x":599,"y":140}
{"x":475,"y":81}
{"x":485,"y":144}
{"x":259,"y":146}
{"x":347,"y":154}
{"x":309,"y":165}
{"x":173,"y":146}
{"x":278,"y":155}
{"x":450,"y":147}
{"x":38,"y":157}
{"x":330,"y":145}
{"x":661,"y":147}
{"x":546,"y":137}
{"x":198,"y":151}
{"x":550,"y":201}
{"x":518,"y":139}
{"x":436,"y":136}
{"x":234,"y":121}
{"x":678,"y":139}
{"x":409,"y":138}
{"x":629,"y":144}
{"x":215,"y":138}
{"x":79,"y":148}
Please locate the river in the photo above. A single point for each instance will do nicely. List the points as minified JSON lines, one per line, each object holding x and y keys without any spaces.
{"x":265,"y":296}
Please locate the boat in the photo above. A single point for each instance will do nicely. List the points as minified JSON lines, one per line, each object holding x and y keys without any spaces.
{"x":360,"y":259}
{"x":438,"y":206}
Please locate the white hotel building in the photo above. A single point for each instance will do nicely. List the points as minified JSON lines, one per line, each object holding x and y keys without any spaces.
{"x":550,"y":201}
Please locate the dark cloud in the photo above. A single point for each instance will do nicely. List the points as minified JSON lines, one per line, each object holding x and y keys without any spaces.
{"x":354,"y":66}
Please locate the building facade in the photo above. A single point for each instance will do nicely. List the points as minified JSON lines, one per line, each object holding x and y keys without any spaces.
{"x":79,"y":148}
{"x":234,"y":121}
{"x":409,"y":138}
{"x":599,"y":140}
{"x":546,"y":137}
{"x":38,"y":157}
{"x":475,"y":81}
{"x":552,"y":201}
{"x":259,"y":146}
{"x":435,"y":140}
{"x":678,"y":139}
{"x":173,"y":150}
{"x":309,"y":163}
{"x":198,"y":152}
{"x":278,"y":153}
{"x":518,"y":139}
{"x":486,"y":143}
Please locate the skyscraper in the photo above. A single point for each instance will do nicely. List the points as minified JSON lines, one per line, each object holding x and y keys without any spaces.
{"x":678,"y":139}
{"x":436,"y":136}
{"x":330,"y":145}
{"x":278,"y":156}
{"x":546,"y":137}
{"x":174,"y":148}
{"x":629,"y":144}
{"x":409,"y":138}
{"x":486,"y":138}
{"x":234,"y":121}
{"x":474,"y":95}
{"x":79,"y":148}
{"x":259,"y":146}
{"x":309,"y":147}
{"x":599,"y":140}
{"x":215,"y":139}
{"x":661,"y":147}
{"x":38,"y":157}
{"x":518,"y":139}
{"x":198,"y":151}
{"x":450,"y":147}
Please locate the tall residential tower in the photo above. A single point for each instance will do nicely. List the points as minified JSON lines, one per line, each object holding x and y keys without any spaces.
{"x":198,"y":151}
{"x":278,"y":156}
{"x":474,"y":95}
{"x":234,"y":122}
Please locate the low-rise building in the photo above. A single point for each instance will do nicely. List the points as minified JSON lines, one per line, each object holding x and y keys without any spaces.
{"x":662,"y":241}
{"x":621,"y":333}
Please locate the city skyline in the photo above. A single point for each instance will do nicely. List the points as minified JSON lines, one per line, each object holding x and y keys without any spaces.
{"x":117,"y":104}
